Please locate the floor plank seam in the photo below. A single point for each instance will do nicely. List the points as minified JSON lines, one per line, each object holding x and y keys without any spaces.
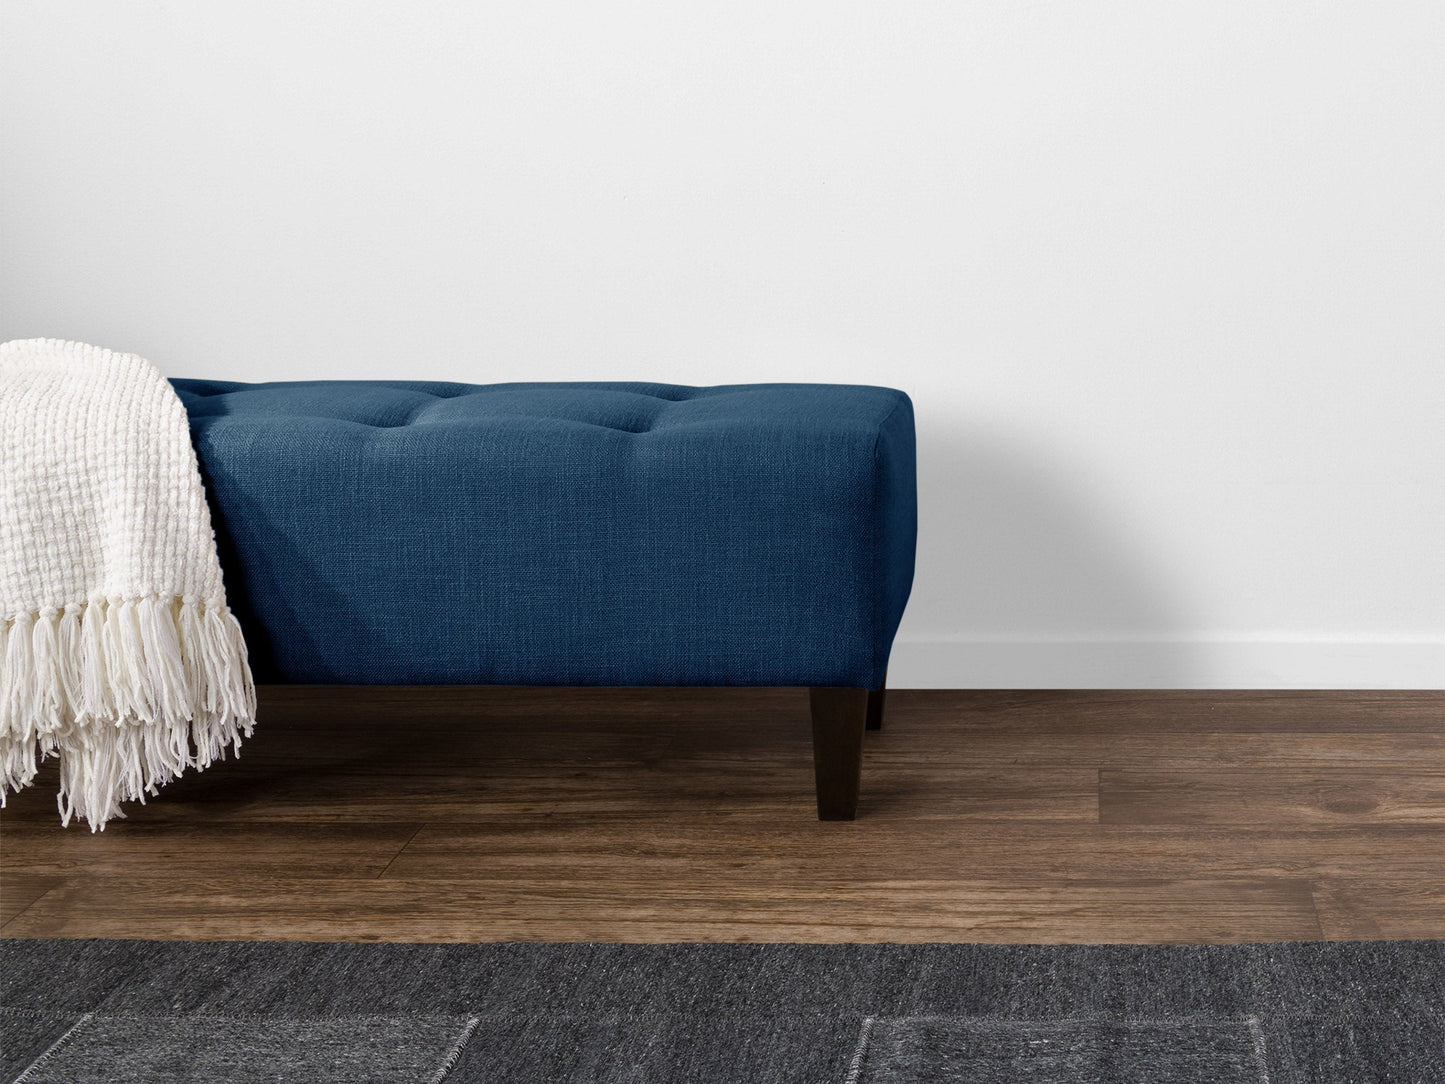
{"x":419,"y":829}
{"x":1314,"y":890}
{"x":18,"y":915}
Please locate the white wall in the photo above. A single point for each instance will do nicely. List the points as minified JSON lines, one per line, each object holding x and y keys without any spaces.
{"x":1165,"y":280}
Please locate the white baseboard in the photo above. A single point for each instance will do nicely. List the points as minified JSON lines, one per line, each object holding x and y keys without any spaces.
{"x":1165,"y":663}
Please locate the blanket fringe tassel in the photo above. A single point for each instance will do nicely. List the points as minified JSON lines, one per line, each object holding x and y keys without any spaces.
{"x":128,"y":693}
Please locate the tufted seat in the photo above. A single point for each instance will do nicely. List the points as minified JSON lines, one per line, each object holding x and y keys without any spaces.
{"x":394,"y":532}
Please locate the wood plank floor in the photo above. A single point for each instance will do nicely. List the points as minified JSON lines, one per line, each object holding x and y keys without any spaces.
{"x":687,"y":815}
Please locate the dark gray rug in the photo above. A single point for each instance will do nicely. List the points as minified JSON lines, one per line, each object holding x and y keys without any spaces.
{"x":1307,"y":1013}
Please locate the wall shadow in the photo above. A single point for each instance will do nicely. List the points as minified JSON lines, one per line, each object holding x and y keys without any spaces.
{"x":1011,"y":548}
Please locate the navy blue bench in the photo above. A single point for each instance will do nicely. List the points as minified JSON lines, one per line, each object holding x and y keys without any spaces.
{"x":408,"y":533}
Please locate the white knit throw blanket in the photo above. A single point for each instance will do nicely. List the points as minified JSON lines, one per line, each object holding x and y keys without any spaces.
{"x":117,"y":650}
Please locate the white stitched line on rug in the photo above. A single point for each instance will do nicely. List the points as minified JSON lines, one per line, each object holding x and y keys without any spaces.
{"x":855,"y":1067}
{"x":1256,"y":1032}
{"x":456,"y":1050}
{"x":52,"y":1048}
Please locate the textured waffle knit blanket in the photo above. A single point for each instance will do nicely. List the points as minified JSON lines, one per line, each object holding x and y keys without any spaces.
{"x":118,"y":653}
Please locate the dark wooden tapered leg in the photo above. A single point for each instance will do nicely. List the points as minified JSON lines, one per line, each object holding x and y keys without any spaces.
{"x":838,"y":720}
{"x":875,"y":704}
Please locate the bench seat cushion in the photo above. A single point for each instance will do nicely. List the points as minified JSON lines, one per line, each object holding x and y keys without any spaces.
{"x":394,"y":532}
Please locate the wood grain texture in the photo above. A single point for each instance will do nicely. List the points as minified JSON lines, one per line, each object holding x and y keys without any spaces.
{"x":620,"y":908}
{"x":659,"y":815}
{"x":768,"y":852}
{"x":1277,"y":796}
{"x":230,"y":848}
{"x":1353,"y":907}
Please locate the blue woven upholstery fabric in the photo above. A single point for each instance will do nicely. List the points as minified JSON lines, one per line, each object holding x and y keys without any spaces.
{"x":393,"y":532}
